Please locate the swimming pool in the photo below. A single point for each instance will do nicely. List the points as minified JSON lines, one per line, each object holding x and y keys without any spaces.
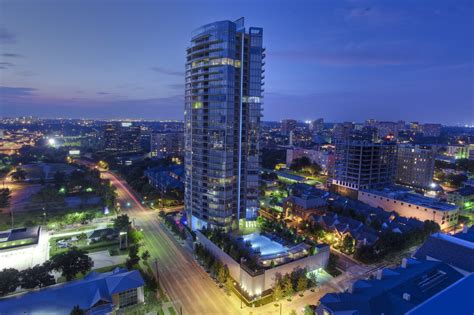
{"x":266,"y":245}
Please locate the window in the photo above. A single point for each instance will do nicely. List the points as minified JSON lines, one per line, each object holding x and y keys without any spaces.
{"x":127,"y":298}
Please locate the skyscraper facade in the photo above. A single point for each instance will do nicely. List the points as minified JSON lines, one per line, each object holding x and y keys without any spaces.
{"x":223,"y":99}
{"x":122,"y":137}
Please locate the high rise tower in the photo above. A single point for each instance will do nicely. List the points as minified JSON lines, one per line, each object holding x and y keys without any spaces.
{"x":224,"y":74}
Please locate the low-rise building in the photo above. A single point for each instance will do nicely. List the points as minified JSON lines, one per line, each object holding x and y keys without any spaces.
{"x":274,"y":260}
{"x":411,"y":205}
{"x":463,"y":197}
{"x":19,"y":237}
{"x":171,"y":177}
{"x":393,"y":291}
{"x":97,"y":293}
{"x":455,"y":250}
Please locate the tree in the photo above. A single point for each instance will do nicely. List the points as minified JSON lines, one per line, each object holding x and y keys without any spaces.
{"x":288,"y":286}
{"x":72,"y":262}
{"x":293,"y":312}
{"x":229,"y":284}
{"x":308,"y":310}
{"x":313,"y":278}
{"x":302,"y":283}
{"x":122,"y":222}
{"x":348,"y":244}
{"x":277,"y":291}
{"x":133,"y":258}
{"x":9,"y":280}
{"x":37,"y":276}
{"x":77,"y":310}
{"x":5,"y":196}
{"x":145,"y":255}
{"x":222,"y":273}
{"x":19,"y":174}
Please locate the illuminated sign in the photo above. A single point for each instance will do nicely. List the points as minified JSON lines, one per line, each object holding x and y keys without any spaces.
{"x":74,"y":152}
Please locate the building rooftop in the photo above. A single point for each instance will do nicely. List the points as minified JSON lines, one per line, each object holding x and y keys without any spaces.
{"x":404,"y":195}
{"x":466,"y":234}
{"x":455,"y":299}
{"x":395,"y":292}
{"x":20,"y":234}
{"x":465,"y":191}
{"x":449,"y":249}
{"x":92,"y":292}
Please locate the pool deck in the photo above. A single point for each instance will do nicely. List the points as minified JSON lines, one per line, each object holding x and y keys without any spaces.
{"x":266,"y":245}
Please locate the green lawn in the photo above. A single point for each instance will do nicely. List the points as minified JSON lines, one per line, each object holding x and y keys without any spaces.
{"x":82,"y":244}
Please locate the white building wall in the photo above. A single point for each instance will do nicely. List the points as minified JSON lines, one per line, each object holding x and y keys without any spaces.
{"x":255,"y":285}
{"x":409,"y":210}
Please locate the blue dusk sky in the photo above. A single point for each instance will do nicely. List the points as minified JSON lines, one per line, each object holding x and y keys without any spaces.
{"x":341,"y":60}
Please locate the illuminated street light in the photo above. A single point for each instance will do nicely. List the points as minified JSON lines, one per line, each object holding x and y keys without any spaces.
{"x":51,"y":141}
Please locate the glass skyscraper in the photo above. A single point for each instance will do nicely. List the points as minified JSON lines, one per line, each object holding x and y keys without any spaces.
{"x":223,"y":100}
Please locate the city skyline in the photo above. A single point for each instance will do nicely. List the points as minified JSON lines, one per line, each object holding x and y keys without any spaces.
{"x":353,"y":61}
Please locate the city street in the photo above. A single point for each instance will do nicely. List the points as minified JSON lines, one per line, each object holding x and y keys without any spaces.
{"x":186,"y":283}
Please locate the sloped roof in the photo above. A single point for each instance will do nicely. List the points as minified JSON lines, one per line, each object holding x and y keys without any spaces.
{"x":60,"y":299}
{"x":448,"y":249}
{"x":386,"y":295}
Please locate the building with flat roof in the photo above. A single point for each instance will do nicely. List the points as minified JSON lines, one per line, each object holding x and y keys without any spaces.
{"x":411,"y":205}
{"x":167,"y":144}
{"x":415,"y":165}
{"x":463,"y":198}
{"x":19,"y":237}
{"x":393,"y":291}
{"x":274,"y":258}
{"x":97,"y":293}
{"x":122,"y":136}
{"x":363,"y":165}
{"x":223,"y":100}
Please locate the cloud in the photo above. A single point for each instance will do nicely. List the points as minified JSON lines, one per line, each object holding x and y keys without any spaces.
{"x":167,"y":71}
{"x":102,"y":93}
{"x":6,"y":37}
{"x":177,"y":86}
{"x":7,"y":91}
{"x":373,"y":14}
{"x":347,"y":58}
{"x":6,"y":65}
{"x":11,"y":55}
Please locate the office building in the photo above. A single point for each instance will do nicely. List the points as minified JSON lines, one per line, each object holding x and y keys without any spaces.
{"x":342,"y":131}
{"x":431,"y":130}
{"x":317,"y":126}
{"x":167,"y":144}
{"x":411,"y":205}
{"x":363,"y":165}
{"x":415,"y":165}
{"x":122,"y":137}
{"x":287,"y":125}
{"x":223,"y":98}
{"x":320,"y":156}
{"x":387,"y":129}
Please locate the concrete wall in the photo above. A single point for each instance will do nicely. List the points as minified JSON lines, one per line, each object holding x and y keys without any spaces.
{"x":408,"y":210}
{"x":320,"y":260}
{"x":234,"y":267}
{"x":255,"y":284}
